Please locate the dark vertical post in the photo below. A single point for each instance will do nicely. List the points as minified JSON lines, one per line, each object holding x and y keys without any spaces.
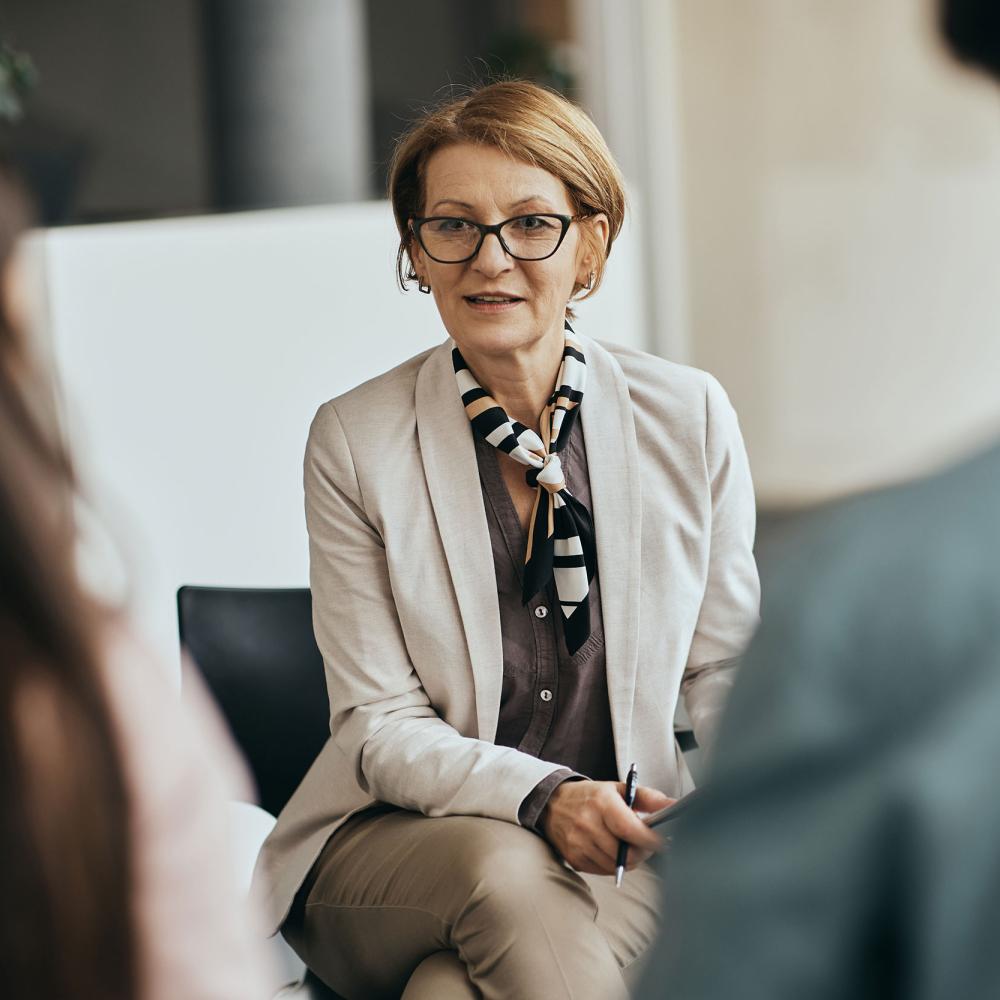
{"x":289,"y":114}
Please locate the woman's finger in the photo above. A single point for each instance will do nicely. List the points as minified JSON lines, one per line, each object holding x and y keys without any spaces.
{"x":650,"y":799}
{"x":595,"y":842}
{"x":623,"y":824}
{"x":597,"y":864}
{"x":605,"y":844}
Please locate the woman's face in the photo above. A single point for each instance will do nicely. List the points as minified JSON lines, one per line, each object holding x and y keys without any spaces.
{"x":485,"y":185}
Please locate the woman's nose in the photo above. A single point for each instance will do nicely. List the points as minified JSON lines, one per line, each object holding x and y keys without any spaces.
{"x":492,"y":258}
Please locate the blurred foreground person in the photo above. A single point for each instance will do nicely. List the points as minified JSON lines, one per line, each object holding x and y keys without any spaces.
{"x":113,"y":838}
{"x":849,"y":843}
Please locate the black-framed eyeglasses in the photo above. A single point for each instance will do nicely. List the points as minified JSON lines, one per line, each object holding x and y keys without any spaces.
{"x":452,"y":240}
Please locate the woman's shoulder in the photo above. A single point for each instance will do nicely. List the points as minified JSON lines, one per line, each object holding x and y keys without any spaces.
{"x":393,"y":387}
{"x":657,"y":383}
{"x":366,"y":413}
{"x":377,"y":417}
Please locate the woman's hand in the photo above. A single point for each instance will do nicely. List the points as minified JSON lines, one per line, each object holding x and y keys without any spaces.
{"x":584,"y":820}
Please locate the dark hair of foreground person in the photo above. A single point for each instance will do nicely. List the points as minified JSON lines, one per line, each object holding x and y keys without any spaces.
{"x":66,"y":926}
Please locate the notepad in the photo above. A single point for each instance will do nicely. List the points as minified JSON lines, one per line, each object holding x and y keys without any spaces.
{"x":670,"y":812}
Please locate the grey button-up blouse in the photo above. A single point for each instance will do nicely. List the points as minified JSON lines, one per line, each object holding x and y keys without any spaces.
{"x":553,"y":706}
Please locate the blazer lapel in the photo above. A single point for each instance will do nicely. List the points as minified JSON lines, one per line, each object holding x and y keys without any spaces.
{"x":615,"y":490}
{"x":449,"y":458}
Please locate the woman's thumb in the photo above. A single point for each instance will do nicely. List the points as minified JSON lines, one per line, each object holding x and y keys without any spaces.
{"x":650,"y":799}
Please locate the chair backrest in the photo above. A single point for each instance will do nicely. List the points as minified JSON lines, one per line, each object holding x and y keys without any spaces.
{"x":256,"y":650}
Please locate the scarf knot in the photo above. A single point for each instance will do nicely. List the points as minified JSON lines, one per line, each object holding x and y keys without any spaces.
{"x":550,"y":475}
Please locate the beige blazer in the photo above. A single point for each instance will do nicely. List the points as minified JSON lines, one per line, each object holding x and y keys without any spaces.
{"x":405,"y":602}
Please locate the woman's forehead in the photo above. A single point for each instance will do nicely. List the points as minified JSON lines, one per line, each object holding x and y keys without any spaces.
{"x":482,"y":178}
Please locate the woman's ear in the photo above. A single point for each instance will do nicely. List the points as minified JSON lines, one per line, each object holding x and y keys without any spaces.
{"x":602,"y":228}
{"x":416,"y":255}
{"x":593,"y":246}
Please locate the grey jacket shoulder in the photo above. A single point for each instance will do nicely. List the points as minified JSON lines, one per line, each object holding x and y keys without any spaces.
{"x":942,"y":529}
{"x":851,"y":780}
{"x":890,"y":597}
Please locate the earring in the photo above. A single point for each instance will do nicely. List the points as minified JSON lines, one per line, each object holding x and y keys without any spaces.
{"x":426,"y":289}
{"x":590,"y":282}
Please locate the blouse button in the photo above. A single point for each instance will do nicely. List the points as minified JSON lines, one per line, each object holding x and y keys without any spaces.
{"x":545,"y":694}
{"x":541,"y":611}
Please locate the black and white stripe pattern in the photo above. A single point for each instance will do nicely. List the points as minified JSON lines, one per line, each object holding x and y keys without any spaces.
{"x":561,"y":531}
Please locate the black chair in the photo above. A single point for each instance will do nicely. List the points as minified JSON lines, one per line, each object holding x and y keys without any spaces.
{"x":256,"y":651}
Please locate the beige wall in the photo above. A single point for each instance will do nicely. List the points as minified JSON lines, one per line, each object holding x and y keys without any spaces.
{"x":841,"y":191}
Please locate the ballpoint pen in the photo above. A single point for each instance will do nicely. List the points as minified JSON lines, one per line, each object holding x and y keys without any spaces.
{"x":631,"y":784}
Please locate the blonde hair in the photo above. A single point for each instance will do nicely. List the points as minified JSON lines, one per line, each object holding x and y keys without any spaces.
{"x":529,"y":123}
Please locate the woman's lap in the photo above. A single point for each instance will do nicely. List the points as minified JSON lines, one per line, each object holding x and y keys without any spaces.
{"x":392,"y":888}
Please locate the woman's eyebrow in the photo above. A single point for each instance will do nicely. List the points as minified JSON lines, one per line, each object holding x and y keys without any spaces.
{"x":451,"y":201}
{"x":471,"y":208}
{"x":527,"y":201}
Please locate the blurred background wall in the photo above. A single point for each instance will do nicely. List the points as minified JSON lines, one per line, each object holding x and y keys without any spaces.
{"x":116,"y":124}
{"x":841,"y":189}
{"x":815,"y":204}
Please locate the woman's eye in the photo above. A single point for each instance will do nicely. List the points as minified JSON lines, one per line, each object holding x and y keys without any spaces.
{"x":451,"y":225}
{"x":534,"y":223}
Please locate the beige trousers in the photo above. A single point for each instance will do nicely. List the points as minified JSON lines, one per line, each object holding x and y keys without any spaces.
{"x":461,"y":907}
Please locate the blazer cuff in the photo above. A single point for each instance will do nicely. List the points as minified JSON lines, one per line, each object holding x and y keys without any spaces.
{"x":534,"y":803}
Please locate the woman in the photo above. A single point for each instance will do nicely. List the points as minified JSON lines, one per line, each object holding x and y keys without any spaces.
{"x":112,"y":824}
{"x":523,"y":544}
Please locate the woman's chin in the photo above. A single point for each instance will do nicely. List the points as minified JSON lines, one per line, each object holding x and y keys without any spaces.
{"x":494,"y":337}
{"x":501,"y":332}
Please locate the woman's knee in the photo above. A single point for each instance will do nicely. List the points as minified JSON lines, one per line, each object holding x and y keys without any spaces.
{"x":502,"y":865}
{"x":441,"y":976}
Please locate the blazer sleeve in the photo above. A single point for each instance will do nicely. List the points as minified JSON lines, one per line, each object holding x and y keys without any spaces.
{"x":731,"y":603}
{"x":382,"y":720}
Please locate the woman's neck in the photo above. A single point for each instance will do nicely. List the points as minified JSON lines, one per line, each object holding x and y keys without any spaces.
{"x":521,"y":381}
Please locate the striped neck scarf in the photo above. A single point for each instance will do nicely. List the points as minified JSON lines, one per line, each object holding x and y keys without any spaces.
{"x":560,"y":532}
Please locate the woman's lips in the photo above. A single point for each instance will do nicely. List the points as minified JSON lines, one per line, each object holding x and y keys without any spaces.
{"x":491,"y":305}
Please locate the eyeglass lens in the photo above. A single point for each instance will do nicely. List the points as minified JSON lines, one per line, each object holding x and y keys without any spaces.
{"x":530,"y":237}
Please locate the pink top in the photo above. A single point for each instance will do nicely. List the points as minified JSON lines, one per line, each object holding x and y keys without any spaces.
{"x":197,"y":936}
